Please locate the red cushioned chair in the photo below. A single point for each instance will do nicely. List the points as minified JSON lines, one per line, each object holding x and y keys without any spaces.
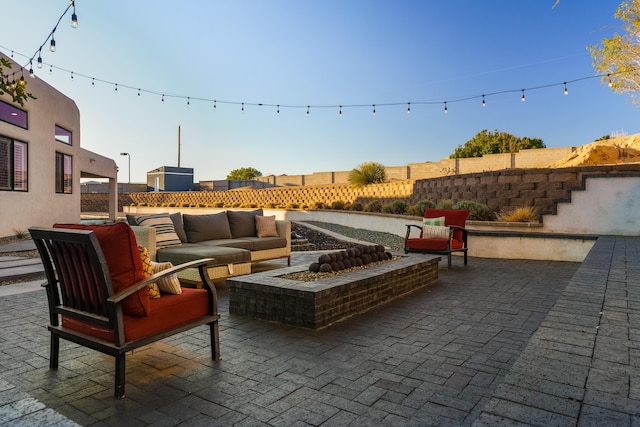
{"x":456,"y":241}
{"x":112,"y":312}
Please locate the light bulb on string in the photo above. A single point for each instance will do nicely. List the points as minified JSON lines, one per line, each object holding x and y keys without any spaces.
{"x":307,"y":111}
{"x":31,"y":70}
{"x":523,"y":95}
{"x":116,"y":87}
{"x":446,"y":110}
{"x":52,"y":45}
{"x":188,"y":101}
{"x":484,"y":104}
{"x":340,"y":113}
{"x":278,"y":111}
{"x":242,"y":107}
{"x":408,"y":108}
{"x":93,"y":81}
{"x":138,"y":91}
{"x":374,"y":109}
{"x":214,"y":105}
{"x":163,"y":98}
{"x":72,"y":76}
{"x":566,"y":92}
{"x":39,"y":62}
{"x":50,"y":69}
{"x":610,"y":82}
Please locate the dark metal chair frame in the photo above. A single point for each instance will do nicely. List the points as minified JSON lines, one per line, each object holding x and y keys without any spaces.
{"x":79,"y":286}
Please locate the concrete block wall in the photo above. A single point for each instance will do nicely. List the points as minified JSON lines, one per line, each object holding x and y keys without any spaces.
{"x":500,"y":190}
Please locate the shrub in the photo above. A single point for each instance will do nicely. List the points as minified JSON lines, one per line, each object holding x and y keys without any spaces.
{"x":20,"y":234}
{"x":367,"y":173}
{"x":305,"y":206}
{"x":414,"y":210}
{"x":271,"y":205}
{"x":519,"y":214}
{"x":399,"y":207}
{"x":445,"y":204}
{"x":218,"y":205}
{"x":386,"y":208}
{"x":318,"y":205}
{"x":374,"y":206}
{"x":477,"y":211}
{"x":184,"y":205}
{"x":337,"y":205}
{"x":292,"y":205}
{"x":356,"y":206}
{"x":424,"y":204}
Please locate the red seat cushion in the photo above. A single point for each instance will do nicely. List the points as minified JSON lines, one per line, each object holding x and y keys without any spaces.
{"x":120,"y":250}
{"x":166,"y":312}
{"x":433,"y":244}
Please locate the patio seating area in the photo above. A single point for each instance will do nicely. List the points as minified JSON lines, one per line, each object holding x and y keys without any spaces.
{"x":496,"y":342}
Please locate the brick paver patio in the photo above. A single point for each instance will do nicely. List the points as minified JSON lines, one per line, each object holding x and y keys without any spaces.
{"x":456,"y":353}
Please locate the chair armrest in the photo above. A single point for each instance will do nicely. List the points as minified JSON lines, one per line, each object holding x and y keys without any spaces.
{"x":284,"y":230}
{"x":409,"y":230}
{"x":115,"y":299}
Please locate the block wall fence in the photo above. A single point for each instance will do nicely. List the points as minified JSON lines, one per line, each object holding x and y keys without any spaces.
{"x":500,"y":190}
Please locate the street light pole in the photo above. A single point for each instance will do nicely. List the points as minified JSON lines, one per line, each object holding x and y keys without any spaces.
{"x":129,"y":156}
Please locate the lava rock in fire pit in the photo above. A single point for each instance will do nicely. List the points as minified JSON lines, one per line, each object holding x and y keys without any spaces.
{"x":354,"y":257}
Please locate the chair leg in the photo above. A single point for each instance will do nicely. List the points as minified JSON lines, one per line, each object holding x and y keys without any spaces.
{"x":54,"y":351}
{"x":120,"y":376}
{"x":465,"y":257}
{"x":215,"y":340}
{"x":449,"y":261}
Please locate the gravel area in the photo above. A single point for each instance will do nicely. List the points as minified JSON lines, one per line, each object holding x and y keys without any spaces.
{"x":323,"y":242}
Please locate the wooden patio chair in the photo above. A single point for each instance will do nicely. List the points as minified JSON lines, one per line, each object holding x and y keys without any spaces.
{"x":444,"y":239}
{"x":86,"y":307}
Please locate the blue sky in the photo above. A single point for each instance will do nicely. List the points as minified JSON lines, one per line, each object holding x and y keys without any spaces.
{"x":323,"y":54}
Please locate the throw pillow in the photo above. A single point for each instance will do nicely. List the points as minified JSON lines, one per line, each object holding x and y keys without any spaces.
{"x":166,"y":235}
{"x":434,"y":221}
{"x":120,"y":250}
{"x":169,"y":284}
{"x":206,"y":227}
{"x":266,"y":226}
{"x":179,"y":226}
{"x":435,"y":232}
{"x":242,"y":223}
{"x":153,"y":290}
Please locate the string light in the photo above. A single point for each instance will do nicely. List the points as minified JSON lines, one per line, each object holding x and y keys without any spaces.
{"x":72,"y":75}
{"x":74,"y":17}
{"x":340,"y":111}
{"x":374,"y":109}
{"x":278,"y":112}
{"x":243,"y":107}
{"x":307,"y":111}
{"x":446,"y":110}
{"x":31,"y":71}
{"x":610,"y":82}
{"x":566,"y":92}
{"x":484,"y":104}
{"x":408,"y":108}
{"x":39,"y":62}
{"x":214,"y":105}
{"x":523,"y":95}
{"x":138,"y":91}
{"x":93,"y":81}
{"x":116,"y":87}
{"x":188,"y":101}
{"x":163,"y":98}
{"x":52,"y":45}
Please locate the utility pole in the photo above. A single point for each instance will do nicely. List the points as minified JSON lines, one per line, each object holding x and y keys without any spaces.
{"x":178,"y":145}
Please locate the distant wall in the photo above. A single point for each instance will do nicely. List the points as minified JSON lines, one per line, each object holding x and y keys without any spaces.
{"x":525,"y":159}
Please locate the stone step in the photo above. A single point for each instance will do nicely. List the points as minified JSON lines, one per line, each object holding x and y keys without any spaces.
{"x":16,"y":267}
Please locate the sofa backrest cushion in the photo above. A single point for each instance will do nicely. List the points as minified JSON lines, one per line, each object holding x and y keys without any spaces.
{"x":206,"y":227}
{"x":243,"y":223}
{"x":176,"y":218}
{"x":120,"y":250}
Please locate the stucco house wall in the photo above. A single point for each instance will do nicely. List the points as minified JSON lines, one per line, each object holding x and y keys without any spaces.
{"x":41,"y":205}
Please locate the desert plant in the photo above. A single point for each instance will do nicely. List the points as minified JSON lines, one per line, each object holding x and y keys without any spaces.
{"x":374,"y":206}
{"x":218,"y":205}
{"x":292,"y":205}
{"x":271,"y":205}
{"x":445,"y":204}
{"x":20,"y":234}
{"x":337,"y":205}
{"x":367,"y":173}
{"x":318,"y":205}
{"x":184,"y":205}
{"x":477,"y":211}
{"x":519,"y":214}
{"x":386,"y":208}
{"x":356,"y":206}
{"x":399,"y":207}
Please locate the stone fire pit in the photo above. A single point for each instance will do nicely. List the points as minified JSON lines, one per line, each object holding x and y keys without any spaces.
{"x":319,"y":304}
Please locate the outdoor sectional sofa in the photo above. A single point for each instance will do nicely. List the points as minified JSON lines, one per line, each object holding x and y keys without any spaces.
{"x":234,"y":239}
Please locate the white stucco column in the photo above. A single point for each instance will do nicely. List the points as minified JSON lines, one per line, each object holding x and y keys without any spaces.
{"x":113,"y":199}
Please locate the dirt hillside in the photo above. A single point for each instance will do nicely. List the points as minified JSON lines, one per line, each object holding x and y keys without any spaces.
{"x":624,"y":149}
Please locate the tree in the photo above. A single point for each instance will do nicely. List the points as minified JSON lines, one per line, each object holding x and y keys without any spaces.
{"x":244,"y":173}
{"x":495,"y":142}
{"x":367,"y":173}
{"x":16,"y":88}
{"x":618,"y":59}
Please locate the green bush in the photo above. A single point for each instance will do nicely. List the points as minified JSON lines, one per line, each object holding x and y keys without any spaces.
{"x":445,"y":204}
{"x":386,"y":208}
{"x":318,"y":205}
{"x":374,"y":206}
{"x":477,"y":211}
{"x":337,"y":205}
{"x":399,"y":207}
{"x":356,"y":206}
